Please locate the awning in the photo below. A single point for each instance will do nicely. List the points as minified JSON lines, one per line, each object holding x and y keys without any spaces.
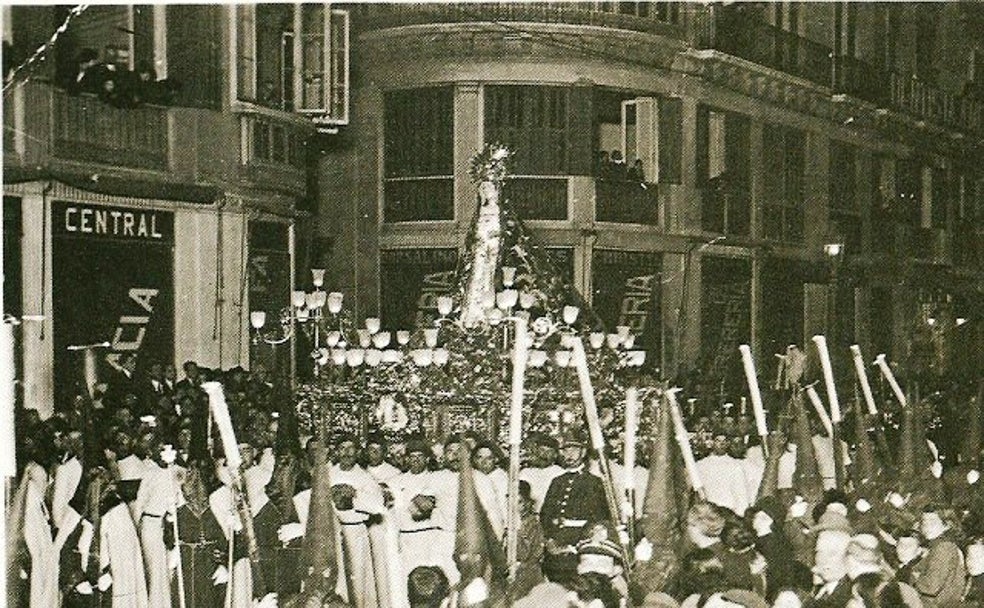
{"x":115,"y":185}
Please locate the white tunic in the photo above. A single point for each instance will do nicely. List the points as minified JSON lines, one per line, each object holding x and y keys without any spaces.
{"x":724,"y":482}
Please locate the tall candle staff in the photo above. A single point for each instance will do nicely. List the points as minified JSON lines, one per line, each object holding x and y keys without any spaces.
{"x":835,"y":411}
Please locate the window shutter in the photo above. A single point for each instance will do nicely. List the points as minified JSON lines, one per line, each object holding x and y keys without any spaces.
{"x":640,"y":135}
{"x":193,"y":41}
{"x":582,"y":147}
{"x":670,"y":140}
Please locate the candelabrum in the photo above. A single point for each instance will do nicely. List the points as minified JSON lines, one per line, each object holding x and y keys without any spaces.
{"x":346,"y":346}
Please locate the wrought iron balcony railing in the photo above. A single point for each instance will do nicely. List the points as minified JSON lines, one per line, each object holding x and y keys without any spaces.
{"x":652,"y":17}
{"x":626,"y":202}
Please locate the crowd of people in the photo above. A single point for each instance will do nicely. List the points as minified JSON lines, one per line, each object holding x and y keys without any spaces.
{"x":117,"y":86}
{"x":127,"y":495}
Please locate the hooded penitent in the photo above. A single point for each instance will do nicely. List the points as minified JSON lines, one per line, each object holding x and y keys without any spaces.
{"x":807,"y":479}
{"x":477,"y":552}
{"x":664,"y":519}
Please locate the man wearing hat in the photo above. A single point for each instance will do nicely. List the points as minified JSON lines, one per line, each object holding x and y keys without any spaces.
{"x":425,"y":540}
{"x":574,"y":500}
{"x":543,"y":467}
{"x":724,"y":476}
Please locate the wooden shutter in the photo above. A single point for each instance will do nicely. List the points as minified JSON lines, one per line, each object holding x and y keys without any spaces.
{"x":582,"y":139}
{"x":641,"y":139}
{"x":670,"y":140}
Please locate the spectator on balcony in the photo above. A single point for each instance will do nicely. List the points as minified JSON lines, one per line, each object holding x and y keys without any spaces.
{"x":635,"y":172}
{"x":619,"y":170}
{"x":603,"y":164}
{"x":91,"y":74}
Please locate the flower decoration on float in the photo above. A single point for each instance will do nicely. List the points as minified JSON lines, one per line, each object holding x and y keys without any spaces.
{"x":464,"y":369}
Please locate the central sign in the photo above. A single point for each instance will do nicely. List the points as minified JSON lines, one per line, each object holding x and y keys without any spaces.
{"x":113,"y":281}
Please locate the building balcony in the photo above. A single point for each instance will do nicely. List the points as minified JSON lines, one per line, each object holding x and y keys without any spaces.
{"x":45,"y":127}
{"x":925,"y":102}
{"x":648,"y":17}
{"x":624,"y":201}
{"x":932,"y":245}
{"x":749,"y":38}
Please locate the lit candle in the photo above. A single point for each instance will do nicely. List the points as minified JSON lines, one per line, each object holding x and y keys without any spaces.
{"x":683,"y":440}
{"x":869,"y":398}
{"x":91,"y":371}
{"x":890,"y":377}
{"x":828,"y":378}
{"x":220,"y":412}
{"x":753,"y":389}
{"x":629,"y":442}
{"x":821,"y":411}
{"x":7,"y":395}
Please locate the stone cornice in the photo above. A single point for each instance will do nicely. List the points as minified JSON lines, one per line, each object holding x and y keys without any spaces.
{"x":667,"y":56}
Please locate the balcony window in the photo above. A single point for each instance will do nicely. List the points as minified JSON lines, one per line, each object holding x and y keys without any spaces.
{"x":272,"y":142}
{"x":418,"y":155}
{"x":783,"y":155}
{"x":534,"y":122}
{"x":294,"y":57}
{"x":845,"y":214}
{"x":908,"y":191}
{"x":537,"y":198}
{"x":723,"y":171}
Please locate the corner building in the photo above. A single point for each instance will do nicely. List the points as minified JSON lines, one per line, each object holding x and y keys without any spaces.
{"x":159,"y":228}
{"x":765,"y":132}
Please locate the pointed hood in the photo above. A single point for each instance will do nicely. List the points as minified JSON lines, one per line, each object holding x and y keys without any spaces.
{"x":476,"y":548}
{"x":664,"y":519}
{"x":807,"y":480}
{"x":866,"y":468}
{"x":769,"y":487}
{"x":320,"y":556}
{"x":906,"y":461}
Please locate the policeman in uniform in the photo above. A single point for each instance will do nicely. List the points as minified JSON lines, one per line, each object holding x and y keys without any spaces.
{"x":574,"y":502}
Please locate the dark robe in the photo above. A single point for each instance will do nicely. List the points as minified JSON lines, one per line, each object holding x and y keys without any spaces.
{"x":203,"y":547}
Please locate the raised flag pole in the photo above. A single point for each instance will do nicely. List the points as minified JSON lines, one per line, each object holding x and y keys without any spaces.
{"x":683,"y":441}
{"x":597,"y":439}
{"x":220,"y":411}
{"x":835,"y":411}
{"x":886,"y":371}
{"x":519,"y":361}
{"x":821,"y":411}
{"x":753,"y":389}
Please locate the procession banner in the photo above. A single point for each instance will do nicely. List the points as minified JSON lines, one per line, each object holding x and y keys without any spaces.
{"x":411,"y":281}
{"x":626,"y":291}
{"x":113,"y":281}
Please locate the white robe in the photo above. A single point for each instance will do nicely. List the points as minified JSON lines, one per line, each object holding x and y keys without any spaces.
{"x":223,"y":506}
{"x":365,"y":559}
{"x":40,"y":546}
{"x":155,"y":499}
{"x":491,"y":490}
{"x":67,"y":477}
{"x":724,"y":482}
{"x":425,"y":542}
{"x":119,"y":550}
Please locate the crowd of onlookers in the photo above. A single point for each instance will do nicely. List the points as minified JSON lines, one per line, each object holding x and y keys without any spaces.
{"x":613,"y":166}
{"x":116,"y":85}
{"x":885,"y":544}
